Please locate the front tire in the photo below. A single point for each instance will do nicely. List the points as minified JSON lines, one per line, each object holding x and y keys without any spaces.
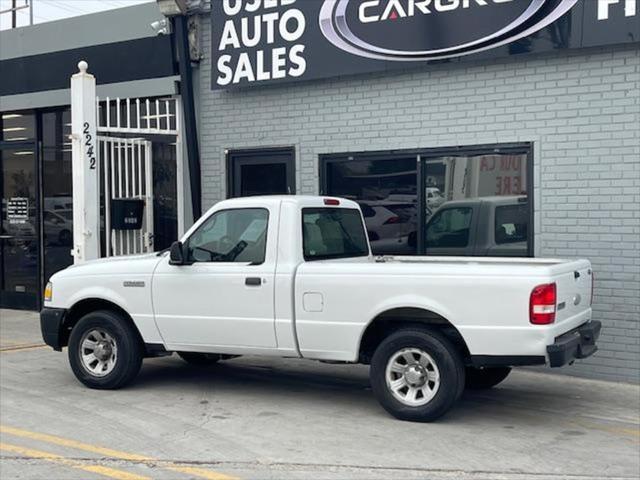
{"x":105,"y":351}
{"x":484,"y":378}
{"x":416,"y":374}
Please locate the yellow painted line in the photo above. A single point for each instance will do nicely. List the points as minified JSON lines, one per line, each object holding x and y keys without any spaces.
{"x":50,"y":457}
{"x":13,"y":346}
{"x":632,"y":432}
{"x":64,"y":442}
{"x":108,"y":452}
{"x":197,"y":472}
{"x":113,"y":473}
{"x":22,"y":348}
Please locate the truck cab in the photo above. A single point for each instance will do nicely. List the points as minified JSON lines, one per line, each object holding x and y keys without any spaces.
{"x":486,"y":226}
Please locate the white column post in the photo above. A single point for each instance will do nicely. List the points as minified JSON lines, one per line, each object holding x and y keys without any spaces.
{"x":86,"y":191}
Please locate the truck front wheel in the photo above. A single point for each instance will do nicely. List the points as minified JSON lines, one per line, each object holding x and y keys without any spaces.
{"x":104,"y":350}
{"x":416,"y":375}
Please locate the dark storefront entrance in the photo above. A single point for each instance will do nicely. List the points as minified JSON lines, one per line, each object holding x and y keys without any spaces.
{"x":261,"y":172}
{"x":36,"y":222}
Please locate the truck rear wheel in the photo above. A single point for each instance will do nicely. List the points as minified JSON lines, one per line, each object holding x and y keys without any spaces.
{"x":483,"y":378}
{"x":104,"y":350}
{"x":416,"y":375}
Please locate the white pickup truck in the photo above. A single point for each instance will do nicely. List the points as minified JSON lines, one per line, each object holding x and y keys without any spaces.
{"x":294,"y":276}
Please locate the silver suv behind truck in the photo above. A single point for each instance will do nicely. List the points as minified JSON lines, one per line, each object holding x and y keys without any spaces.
{"x":486,"y":226}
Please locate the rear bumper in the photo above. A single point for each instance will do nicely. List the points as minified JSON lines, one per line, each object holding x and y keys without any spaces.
{"x":51,"y":323}
{"x":577,"y":343}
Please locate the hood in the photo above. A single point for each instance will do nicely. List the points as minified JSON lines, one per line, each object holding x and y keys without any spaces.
{"x":128,"y":264}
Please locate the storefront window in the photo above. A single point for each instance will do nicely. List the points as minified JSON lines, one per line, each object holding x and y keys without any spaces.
{"x":484,"y":185}
{"x":57,"y":215}
{"x":165,"y":204}
{"x":17,"y":127}
{"x":18,"y":228}
{"x":473,"y":201}
{"x":385,"y":188}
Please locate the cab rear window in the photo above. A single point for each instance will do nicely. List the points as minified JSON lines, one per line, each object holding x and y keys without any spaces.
{"x":333,"y":233}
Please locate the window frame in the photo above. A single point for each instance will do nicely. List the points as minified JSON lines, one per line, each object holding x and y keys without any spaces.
{"x":264,"y":253}
{"x":423,"y":156}
{"x":337,"y":256}
{"x":234,"y":157}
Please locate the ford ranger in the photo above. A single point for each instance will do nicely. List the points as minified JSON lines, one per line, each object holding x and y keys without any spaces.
{"x":293,"y":276}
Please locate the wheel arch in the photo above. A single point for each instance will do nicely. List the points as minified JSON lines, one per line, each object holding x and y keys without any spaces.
{"x":88,"y":305}
{"x":393,"y":319}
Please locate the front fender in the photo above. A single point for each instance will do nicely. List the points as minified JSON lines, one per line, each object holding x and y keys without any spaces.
{"x":99,"y":293}
{"x":132,"y":295}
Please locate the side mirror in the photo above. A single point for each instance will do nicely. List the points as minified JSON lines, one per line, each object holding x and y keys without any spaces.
{"x":177,"y":254}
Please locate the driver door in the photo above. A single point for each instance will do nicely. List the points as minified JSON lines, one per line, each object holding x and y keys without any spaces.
{"x":225,"y":296}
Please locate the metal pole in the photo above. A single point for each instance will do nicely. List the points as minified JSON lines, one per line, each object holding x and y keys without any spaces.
{"x":188,"y":104}
{"x":13,"y":13}
{"x":30,"y":12}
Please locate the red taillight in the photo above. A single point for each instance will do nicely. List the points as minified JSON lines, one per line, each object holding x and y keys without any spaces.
{"x":542,"y":304}
{"x":392,"y":220}
{"x":331,"y":201}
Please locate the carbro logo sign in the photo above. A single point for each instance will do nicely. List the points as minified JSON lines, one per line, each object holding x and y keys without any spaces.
{"x":269,"y":41}
{"x":405,"y":30}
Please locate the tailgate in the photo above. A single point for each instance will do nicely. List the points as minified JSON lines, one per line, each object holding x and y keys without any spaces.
{"x":573,"y":291}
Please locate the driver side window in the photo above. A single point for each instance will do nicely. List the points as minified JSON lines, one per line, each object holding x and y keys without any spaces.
{"x":449,"y":228}
{"x":238,"y":235}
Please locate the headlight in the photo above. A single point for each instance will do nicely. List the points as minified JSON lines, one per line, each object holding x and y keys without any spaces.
{"x":48,"y":292}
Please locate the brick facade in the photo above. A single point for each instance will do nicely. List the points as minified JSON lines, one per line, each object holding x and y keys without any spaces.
{"x":581,"y":111}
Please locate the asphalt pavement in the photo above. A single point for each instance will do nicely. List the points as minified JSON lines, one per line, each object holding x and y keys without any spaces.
{"x":261,"y":418}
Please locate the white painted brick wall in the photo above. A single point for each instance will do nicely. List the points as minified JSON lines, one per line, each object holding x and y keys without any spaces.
{"x":581,"y":110}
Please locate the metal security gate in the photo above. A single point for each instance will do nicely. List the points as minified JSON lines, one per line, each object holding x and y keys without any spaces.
{"x":126,"y":162}
{"x":126,"y":166}
{"x":112,"y":142}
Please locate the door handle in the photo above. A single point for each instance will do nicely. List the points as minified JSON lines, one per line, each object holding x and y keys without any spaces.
{"x":253,"y":281}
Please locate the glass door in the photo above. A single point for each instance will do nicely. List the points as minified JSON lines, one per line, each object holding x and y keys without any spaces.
{"x":19,"y":252}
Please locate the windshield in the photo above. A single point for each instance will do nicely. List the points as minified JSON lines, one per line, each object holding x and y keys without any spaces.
{"x":333,"y":233}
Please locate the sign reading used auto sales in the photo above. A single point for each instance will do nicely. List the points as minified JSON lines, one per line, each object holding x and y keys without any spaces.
{"x":266,"y":41}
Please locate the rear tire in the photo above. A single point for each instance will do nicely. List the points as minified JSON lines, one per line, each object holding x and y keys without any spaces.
{"x":105,"y":350}
{"x":416,"y":375}
{"x":199,"y":359}
{"x":484,"y":378}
